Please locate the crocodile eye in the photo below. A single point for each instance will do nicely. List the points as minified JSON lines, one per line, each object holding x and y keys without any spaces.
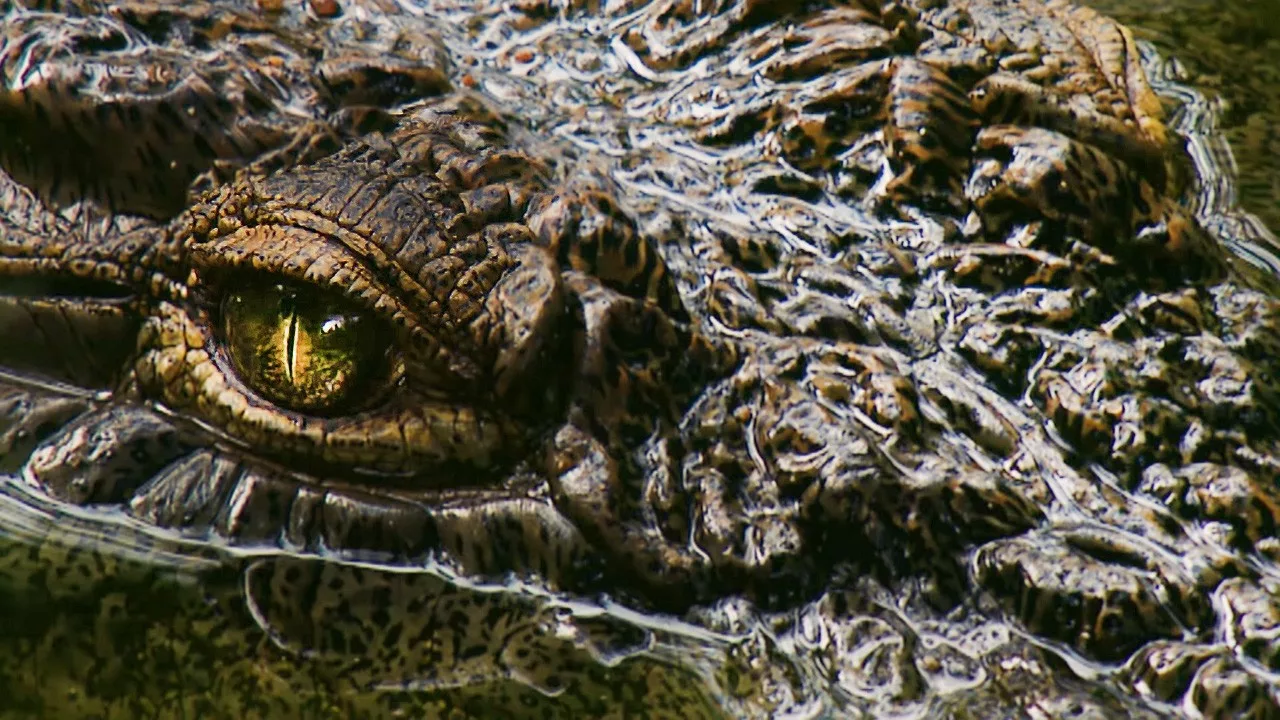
{"x":303,"y":350}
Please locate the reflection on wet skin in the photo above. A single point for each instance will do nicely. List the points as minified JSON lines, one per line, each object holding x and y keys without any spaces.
{"x":565,"y":359}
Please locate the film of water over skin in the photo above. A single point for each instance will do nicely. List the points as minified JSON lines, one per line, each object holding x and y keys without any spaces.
{"x":198,"y":629}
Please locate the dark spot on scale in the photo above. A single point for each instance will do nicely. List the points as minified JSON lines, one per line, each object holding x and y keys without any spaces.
{"x":1112,"y":625}
{"x":255,"y":103}
{"x":44,"y":429}
{"x":112,"y":41}
{"x":169,"y":114}
{"x":631,"y":252}
{"x":42,"y":115}
{"x":472,"y":652}
{"x":224,"y":106}
{"x":202,"y":146}
{"x":392,"y":638}
{"x":928,"y":140}
{"x":357,"y":646}
{"x":337,"y":640}
{"x":158,"y":186}
{"x":161,"y":131}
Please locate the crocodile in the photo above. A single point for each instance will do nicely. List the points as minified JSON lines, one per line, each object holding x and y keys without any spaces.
{"x":562,"y":359}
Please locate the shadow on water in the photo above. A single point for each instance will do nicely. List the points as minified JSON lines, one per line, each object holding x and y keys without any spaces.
{"x":129,"y":622}
{"x":169,"y":628}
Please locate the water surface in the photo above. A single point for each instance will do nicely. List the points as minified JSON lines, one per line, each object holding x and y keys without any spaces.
{"x":183,"y":643}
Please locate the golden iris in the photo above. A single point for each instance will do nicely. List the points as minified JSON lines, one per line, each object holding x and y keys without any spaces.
{"x":300,"y":349}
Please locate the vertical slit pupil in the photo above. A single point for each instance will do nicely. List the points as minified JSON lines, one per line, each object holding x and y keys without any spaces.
{"x":300,"y":349}
{"x":291,"y":348}
{"x":289,"y":309}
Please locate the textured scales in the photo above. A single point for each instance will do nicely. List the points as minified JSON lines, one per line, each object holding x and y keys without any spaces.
{"x":881,"y":332}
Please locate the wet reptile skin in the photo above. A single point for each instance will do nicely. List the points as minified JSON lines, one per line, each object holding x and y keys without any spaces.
{"x":737,"y":358}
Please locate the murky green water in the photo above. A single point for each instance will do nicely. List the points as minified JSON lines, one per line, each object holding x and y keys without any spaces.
{"x":175,"y":612}
{"x":132,"y":623}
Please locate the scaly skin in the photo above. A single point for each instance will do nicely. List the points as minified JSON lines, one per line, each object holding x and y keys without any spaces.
{"x":865,"y":331}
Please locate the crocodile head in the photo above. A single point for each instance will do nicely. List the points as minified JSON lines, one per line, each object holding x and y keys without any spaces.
{"x":409,"y":346}
{"x":942,"y":323}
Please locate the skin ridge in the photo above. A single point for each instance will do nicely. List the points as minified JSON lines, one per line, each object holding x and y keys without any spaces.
{"x":866,"y":322}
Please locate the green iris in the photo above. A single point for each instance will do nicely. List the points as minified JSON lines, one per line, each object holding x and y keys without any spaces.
{"x":301,"y":349}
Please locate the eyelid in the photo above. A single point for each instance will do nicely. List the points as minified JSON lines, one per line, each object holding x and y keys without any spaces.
{"x":180,"y":366}
{"x":308,"y":258}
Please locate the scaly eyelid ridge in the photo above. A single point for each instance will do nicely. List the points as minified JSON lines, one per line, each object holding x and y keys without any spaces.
{"x":303,"y":258}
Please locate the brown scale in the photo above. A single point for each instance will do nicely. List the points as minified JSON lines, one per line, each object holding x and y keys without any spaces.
{"x":1034,"y":173}
{"x":1164,"y":669}
{"x":1180,"y":312}
{"x":587,"y":231}
{"x":1048,"y":308}
{"x":1057,"y":591}
{"x":1004,"y":353}
{"x":1001,"y":267}
{"x":543,"y":383}
{"x":1112,"y":46}
{"x":136,"y":126}
{"x":1225,"y":687}
{"x":1209,"y":491}
{"x":1106,"y":417}
{"x":831,"y":39}
{"x":1008,"y":99}
{"x":591,"y":477}
{"x":677,"y":32}
{"x":420,"y":229}
{"x":929,"y":128}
